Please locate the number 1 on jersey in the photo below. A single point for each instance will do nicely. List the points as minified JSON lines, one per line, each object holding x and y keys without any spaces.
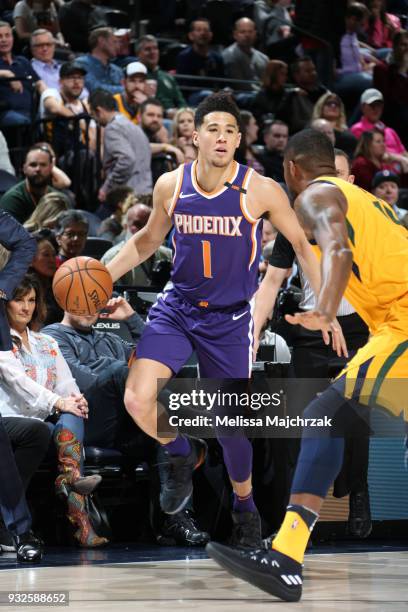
{"x":207,"y":258}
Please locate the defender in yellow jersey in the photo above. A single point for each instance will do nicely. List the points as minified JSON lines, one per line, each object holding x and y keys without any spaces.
{"x":364,"y":255}
{"x":378,"y":289}
{"x":378,"y":282}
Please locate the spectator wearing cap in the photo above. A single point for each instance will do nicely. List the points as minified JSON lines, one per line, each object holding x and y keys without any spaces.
{"x":134,"y":94}
{"x":168,"y":91}
{"x":386,"y":186}
{"x":126,"y":149}
{"x":124,"y":48}
{"x":372,"y":107}
{"x":101,"y":73}
{"x":65,"y":103}
{"x":63,"y":100}
{"x":16,"y":96}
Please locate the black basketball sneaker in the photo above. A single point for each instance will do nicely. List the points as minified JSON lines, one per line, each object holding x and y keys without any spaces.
{"x":270,"y":571}
{"x":178,"y":484}
{"x":246,"y":530}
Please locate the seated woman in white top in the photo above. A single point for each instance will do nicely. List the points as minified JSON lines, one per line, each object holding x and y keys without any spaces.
{"x":36,"y":382}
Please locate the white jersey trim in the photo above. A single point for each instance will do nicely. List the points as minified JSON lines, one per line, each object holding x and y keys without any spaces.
{"x":211,"y":196}
{"x":179,"y":182}
{"x":244,"y":206}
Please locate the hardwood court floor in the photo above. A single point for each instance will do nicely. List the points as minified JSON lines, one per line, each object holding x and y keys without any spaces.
{"x":345,"y":582}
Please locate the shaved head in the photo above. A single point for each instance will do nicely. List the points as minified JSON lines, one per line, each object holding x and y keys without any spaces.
{"x":309,"y":155}
{"x":312,"y":151}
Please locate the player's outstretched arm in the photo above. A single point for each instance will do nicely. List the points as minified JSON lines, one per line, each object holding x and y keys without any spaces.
{"x":147,"y":240}
{"x":321,"y":210}
{"x":269,"y":197}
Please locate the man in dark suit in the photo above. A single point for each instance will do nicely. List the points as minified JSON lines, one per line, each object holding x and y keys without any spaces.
{"x":13,"y":506}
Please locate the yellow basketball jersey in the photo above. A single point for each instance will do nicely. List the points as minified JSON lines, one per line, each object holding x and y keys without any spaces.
{"x":124,"y":111}
{"x":378,"y":284}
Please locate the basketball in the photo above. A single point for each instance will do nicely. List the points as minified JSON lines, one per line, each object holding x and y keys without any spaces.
{"x":82,"y":286}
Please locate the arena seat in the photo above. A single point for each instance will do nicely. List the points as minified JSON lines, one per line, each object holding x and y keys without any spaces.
{"x":169,"y":55}
{"x":116,"y":18}
{"x":93,"y":220}
{"x":96,"y":247}
{"x":7,"y":181}
{"x":220,"y":13}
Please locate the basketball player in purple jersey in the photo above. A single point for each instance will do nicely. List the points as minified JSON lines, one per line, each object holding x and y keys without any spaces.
{"x":215,"y":205}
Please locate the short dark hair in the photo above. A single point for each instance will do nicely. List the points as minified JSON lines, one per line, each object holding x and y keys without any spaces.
{"x":94,"y":35}
{"x":295,"y":66}
{"x":341,"y":153}
{"x":153,"y":101}
{"x":395,"y":45}
{"x":31,"y":281}
{"x":221,"y":102}
{"x":39,"y":32}
{"x":67,"y":218}
{"x":102,"y":98}
{"x":117,"y":195}
{"x":268,"y":125}
{"x":147,"y":38}
{"x":358,"y":10}
{"x":40,"y":147}
{"x":45,"y":233}
{"x":310,"y":149}
{"x":245,"y":117}
{"x":191,"y":26}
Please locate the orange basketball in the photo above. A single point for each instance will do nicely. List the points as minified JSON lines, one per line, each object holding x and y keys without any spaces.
{"x":82,"y":286}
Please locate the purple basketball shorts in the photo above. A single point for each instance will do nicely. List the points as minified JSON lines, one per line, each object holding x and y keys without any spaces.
{"x":222,"y":339}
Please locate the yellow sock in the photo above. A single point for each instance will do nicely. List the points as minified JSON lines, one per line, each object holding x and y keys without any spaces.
{"x":292,"y":537}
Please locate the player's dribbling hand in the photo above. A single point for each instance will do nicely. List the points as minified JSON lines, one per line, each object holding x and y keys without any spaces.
{"x":117,"y":308}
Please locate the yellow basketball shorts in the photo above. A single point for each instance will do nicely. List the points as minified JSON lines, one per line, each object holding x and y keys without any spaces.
{"x":378,"y":374}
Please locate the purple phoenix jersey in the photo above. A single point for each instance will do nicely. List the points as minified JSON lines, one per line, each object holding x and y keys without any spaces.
{"x":217,"y":245}
{"x":216,"y":241}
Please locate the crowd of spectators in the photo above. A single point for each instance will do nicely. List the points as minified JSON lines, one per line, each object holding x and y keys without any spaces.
{"x":118,"y":117}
